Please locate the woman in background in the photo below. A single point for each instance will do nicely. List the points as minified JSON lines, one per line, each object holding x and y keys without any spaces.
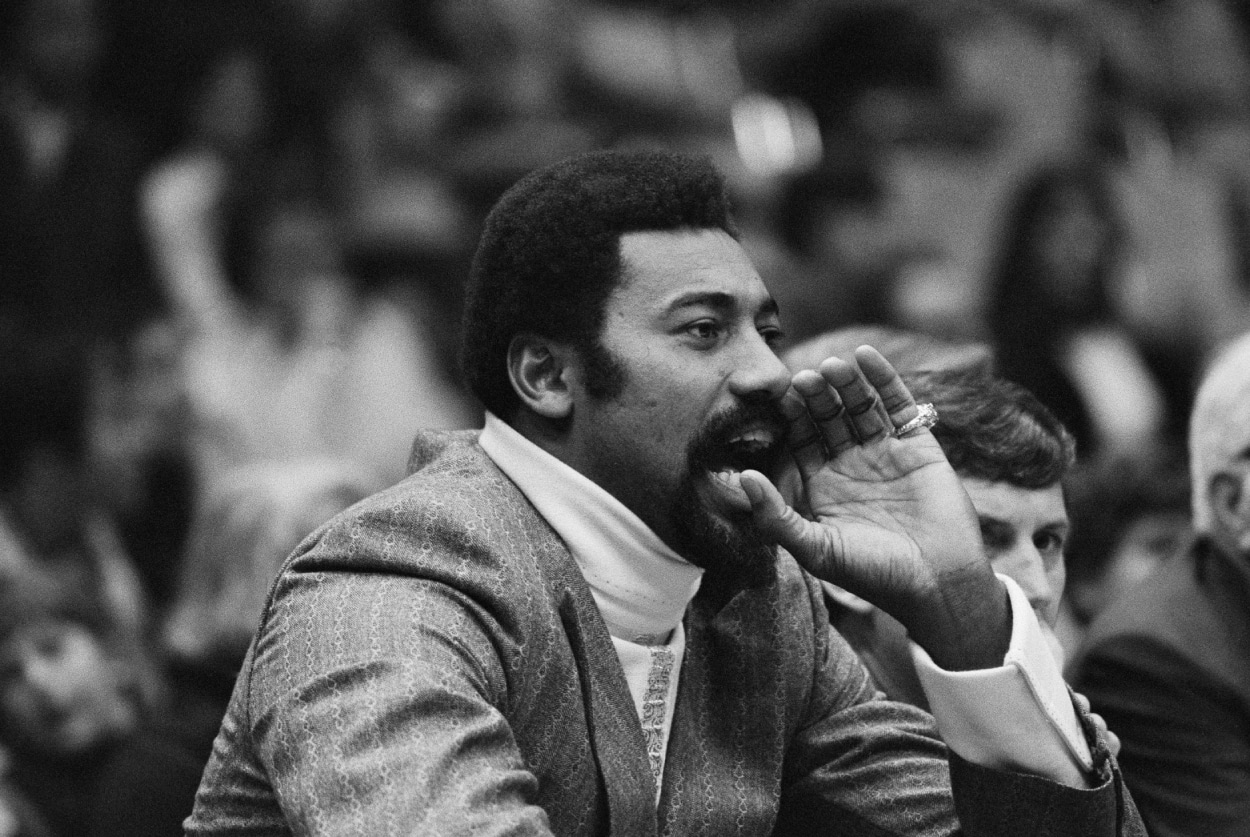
{"x":1052,"y":312}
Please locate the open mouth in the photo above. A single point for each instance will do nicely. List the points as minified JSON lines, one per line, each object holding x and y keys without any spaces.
{"x":754,"y":448}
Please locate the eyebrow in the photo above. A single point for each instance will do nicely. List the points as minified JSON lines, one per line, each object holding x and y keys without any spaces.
{"x":720,"y":301}
{"x":991,"y":520}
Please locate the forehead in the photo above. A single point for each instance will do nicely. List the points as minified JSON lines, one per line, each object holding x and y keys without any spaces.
{"x":1002,"y":500}
{"x":661,"y":269}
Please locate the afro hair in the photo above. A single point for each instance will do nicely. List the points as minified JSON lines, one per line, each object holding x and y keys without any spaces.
{"x":549,"y":255}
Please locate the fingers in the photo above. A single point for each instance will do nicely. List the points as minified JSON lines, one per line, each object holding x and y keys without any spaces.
{"x":777,"y":521}
{"x":1100,"y":723}
{"x":860,"y":399}
{"x":806,"y":443}
{"x":1113,"y":743}
{"x":843,"y":404}
{"x":896,"y":399}
{"x":826,"y":413}
{"x":1113,"y":740}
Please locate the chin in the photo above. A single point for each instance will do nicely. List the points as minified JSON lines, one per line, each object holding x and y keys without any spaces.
{"x":728,"y":546}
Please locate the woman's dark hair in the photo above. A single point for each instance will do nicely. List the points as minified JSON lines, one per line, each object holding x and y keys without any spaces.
{"x":1022,"y":303}
{"x":549,"y":254}
{"x":1027,"y":317}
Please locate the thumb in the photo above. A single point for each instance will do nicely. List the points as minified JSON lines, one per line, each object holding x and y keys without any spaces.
{"x":782,"y":525}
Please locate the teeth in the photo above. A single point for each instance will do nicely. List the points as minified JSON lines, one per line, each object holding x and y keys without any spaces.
{"x":754,"y":437}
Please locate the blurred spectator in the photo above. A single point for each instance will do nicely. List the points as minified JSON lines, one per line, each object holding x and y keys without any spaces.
{"x":138,"y":458}
{"x":874,"y":73}
{"x":1011,"y":455}
{"x":660,"y":69}
{"x":287,"y":354}
{"x":73,"y":267}
{"x":80,"y":711}
{"x":1052,"y":313}
{"x":243,"y":531}
{"x":834,"y":219}
{"x":1168,"y":664}
{"x":1129,"y":516}
{"x":49,"y":508}
{"x":516,"y":64}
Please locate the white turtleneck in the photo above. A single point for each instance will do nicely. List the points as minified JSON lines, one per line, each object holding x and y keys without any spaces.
{"x":640,"y":585}
{"x":1017,"y":716}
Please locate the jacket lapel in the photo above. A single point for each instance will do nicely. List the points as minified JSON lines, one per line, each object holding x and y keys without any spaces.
{"x":615,"y":733}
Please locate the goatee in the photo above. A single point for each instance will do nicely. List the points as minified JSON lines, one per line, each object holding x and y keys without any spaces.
{"x":728,"y":546}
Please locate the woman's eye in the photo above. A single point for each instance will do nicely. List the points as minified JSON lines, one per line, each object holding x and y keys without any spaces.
{"x":772,"y":336}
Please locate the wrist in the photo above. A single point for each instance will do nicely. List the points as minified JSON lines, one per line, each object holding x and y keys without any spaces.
{"x":966,"y":625}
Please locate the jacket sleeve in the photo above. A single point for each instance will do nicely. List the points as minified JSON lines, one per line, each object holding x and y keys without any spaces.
{"x":376,"y":706}
{"x":861,"y":764}
{"x":1185,"y":736}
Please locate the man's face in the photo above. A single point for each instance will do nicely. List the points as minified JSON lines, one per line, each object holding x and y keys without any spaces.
{"x":1024,"y":530}
{"x":693,"y":332}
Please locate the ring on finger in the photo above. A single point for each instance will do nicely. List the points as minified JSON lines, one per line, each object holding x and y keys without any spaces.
{"x":926,"y":417}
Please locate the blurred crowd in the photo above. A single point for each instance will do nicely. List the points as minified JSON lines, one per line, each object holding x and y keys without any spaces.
{"x":233,"y":235}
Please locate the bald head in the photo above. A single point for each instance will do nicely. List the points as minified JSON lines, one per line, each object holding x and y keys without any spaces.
{"x":1219,"y":433}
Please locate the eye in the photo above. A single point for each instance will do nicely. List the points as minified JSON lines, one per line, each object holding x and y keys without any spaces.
{"x":1048,"y":541}
{"x":705,"y":331}
{"x":773,"y":335}
{"x":996,"y":536}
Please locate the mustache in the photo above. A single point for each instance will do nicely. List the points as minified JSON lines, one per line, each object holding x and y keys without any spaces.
{"x":732,"y":422}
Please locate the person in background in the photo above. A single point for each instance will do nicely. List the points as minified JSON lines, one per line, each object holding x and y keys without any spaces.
{"x":50,"y":506}
{"x":286,"y":351}
{"x":80,"y":713}
{"x":1011,"y":455}
{"x":1168,"y":664}
{"x":309,"y":361}
{"x":1052,"y":316}
{"x":73,"y":261}
{"x":1129,"y":518}
{"x":242,"y":532}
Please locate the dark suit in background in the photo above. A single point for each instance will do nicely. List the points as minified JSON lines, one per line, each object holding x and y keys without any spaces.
{"x":1169,"y":668}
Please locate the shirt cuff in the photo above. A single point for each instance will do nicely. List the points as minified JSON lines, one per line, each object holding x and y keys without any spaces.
{"x":1018,"y":716}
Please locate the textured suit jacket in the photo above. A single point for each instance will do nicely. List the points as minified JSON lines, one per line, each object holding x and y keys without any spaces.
{"x":1169,"y":668}
{"x":432,"y":662}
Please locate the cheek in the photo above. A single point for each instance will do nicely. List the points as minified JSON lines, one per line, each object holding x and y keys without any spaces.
{"x":1057,"y":575}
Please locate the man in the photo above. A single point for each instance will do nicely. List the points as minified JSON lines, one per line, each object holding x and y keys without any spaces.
{"x":577,"y":622}
{"x":1011,"y":455}
{"x":1168,"y":664}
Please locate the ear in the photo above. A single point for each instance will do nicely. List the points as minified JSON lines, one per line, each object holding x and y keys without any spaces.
{"x":539,"y":372}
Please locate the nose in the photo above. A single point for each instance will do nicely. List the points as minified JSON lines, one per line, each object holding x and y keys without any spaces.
{"x":1026,"y":566}
{"x":758,"y":373}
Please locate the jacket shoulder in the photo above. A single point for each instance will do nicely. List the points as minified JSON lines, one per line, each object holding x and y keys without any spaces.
{"x":1184,"y":609}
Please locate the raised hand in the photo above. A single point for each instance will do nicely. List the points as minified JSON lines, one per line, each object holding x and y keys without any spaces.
{"x":890,"y":520}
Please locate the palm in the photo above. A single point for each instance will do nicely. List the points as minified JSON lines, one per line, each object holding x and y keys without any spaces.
{"x":887,"y":518}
